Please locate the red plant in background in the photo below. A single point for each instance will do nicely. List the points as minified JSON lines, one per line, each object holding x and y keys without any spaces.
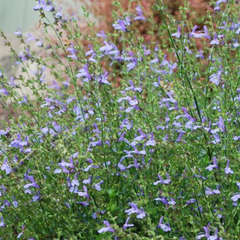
{"x":102,"y":12}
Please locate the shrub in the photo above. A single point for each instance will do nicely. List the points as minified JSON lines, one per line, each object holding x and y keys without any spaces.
{"x":155,"y":156}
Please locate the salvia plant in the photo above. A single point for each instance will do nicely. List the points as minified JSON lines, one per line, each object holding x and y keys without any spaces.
{"x":132,"y":140}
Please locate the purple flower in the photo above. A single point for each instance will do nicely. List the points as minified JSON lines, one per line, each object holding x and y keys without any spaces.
{"x":200,"y":54}
{"x":135,"y":210}
{"x":64,"y":165}
{"x":126,"y":225}
{"x":18,"y":32}
{"x":14,"y":202}
{"x":191,"y":201}
{"x":74,"y":184}
{"x":178,"y":33}
{"x":101,"y":34}
{"x":140,"y":14}
{"x":217,"y":8}
{"x":30,"y":38}
{"x":85,"y":193}
{"x":102,"y":78}
{"x":42,"y":4}
{"x":4,"y":91}
{"x":132,"y":65}
{"x":37,"y":197}
{"x":58,"y":15}
{"x":146,"y":51}
{"x":122,"y":24}
{"x":164,"y":227}
{"x":90,"y":52}
{"x":236,"y":197}
{"x":207,"y":234}
{"x":107,"y":228}
{"x":2,"y":224}
{"x":236,"y":138}
{"x":3,"y":132}
{"x":151,"y":142}
{"x":167,"y":102}
{"x":22,"y":232}
{"x":162,"y":199}
{"x":83,"y":72}
{"x":135,"y":151}
{"x":216,"y":139}
{"x":227,"y":169}
{"x":32,"y":184}
{"x":107,"y":48}
{"x":220,"y":124}
{"x":127,"y":124}
{"x":215,"y":78}
{"x":73,"y":52}
{"x":215,"y":40}
{"x":133,"y":88}
{"x":98,"y":186}
{"x":214,"y":165}
{"x":164,"y":182}
{"x":199,"y":34}
{"x":88,"y":180}
{"x":39,"y":44}
{"x":209,"y":191}
{"x":181,"y":133}
{"x":165,"y":201}
{"x":6,"y":167}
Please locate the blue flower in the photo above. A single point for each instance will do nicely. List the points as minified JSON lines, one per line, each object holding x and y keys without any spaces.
{"x":209,"y":191}
{"x":102,"y":78}
{"x":164,"y":182}
{"x":4,"y":91}
{"x":122,"y":24}
{"x":2,"y":224}
{"x":18,"y":32}
{"x":73,"y":52}
{"x":32,"y":184}
{"x":126,"y":225}
{"x":58,"y":15}
{"x":102,"y":34}
{"x":135,"y":210}
{"x":6,"y":167}
{"x":217,"y":8}
{"x":216,"y":77}
{"x":132,"y":65}
{"x":164,"y":227}
{"x":42,"y":4}
{"x":227,"y":169}
{"x":199,"y":34}
{"x":151,"y":141}
{"x":140,"y":14}
{"x":178,"y":33}
{"x":207,"y":234}
{"x":214,"y":165}
{"x":85,"y":193}
{"x":83,"y":72}
{"x":108,"y":228}
{"x":98,"y":186}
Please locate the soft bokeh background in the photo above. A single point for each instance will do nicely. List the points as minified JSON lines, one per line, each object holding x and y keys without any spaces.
{"x":16,"y":14}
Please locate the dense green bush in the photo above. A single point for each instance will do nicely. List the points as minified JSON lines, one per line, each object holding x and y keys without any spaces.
{"x":155,"y":158}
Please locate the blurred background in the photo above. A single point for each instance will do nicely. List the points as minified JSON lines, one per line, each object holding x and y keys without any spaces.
{"x":15,"y":15}
{"x":19,"y":14}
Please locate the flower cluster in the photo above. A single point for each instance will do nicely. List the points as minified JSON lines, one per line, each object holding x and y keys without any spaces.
{"x":127,"y":142}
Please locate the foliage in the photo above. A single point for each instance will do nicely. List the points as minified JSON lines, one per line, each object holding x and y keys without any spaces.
{"x":134,"y":139}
